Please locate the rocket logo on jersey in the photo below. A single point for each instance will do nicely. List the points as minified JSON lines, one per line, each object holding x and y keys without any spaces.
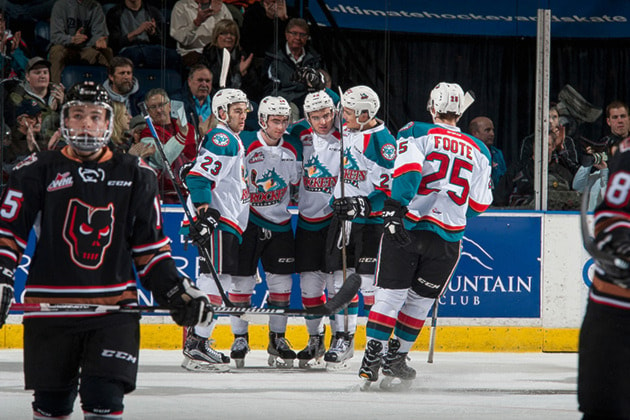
{"x":351,"y":172}
{"x":317,"y":177}
{"x":270,"y":188}
{"x":88,"y":232}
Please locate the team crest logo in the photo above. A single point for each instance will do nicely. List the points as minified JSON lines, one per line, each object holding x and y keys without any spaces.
{"x":270,"y":188}
{"x":88,"y":232}
{"x":221,"y":139}
{"x":317,"y":177}
{"x":92,"y":175}
{"x":61,"y":181}
{"x":389,"y":151}
{"x":351,"y":173}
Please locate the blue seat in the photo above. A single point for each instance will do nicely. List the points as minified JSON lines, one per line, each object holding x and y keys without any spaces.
{"x":79,"y":73}
{"x":41,"y":40}
{"x":167,"y":79}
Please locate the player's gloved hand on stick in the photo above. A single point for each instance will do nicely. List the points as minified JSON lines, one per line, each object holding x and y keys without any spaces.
{"x":189,"y":305}
{"x":200,"y":231}
{"x":394,"y":228}
{"x":6,"y":293}
{"x":614,"y":240}
{"x":348,"y":208}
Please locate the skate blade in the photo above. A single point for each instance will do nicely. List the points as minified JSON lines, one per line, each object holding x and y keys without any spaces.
{"x":335,"y":366}
{"x":240,"y":363}
{"x":366,"y":385}
{"x":393,"y":384}
{"x":280,"y":363}
{"x":312,"y":363}
{"x":196,"y":366}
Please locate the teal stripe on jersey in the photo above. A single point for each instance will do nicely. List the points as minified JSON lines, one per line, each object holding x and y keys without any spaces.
{"x":266,"y":224}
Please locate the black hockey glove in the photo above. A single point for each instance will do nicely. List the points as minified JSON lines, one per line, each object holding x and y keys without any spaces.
{"x":349,"y":208}
{"x":6,"y":293}
{"x":200,"y":231}
{"x":189,"y":306}
{"x":394,"y":228}
{"x":615,"y":242}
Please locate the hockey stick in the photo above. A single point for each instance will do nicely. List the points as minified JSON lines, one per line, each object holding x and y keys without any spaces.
{"x":169,"y":171}
{"x":332,"y":306}
{"x":469,"y":98}
{"x":433,"y":330}
{"x":342,"y":166}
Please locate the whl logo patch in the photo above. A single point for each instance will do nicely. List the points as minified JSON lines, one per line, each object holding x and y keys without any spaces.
{"x":61,"y":181}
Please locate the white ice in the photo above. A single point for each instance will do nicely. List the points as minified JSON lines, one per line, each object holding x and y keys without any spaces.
{"x":485,"y":386}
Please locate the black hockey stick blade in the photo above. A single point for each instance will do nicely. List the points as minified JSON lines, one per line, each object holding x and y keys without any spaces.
{"x":343,"y":297}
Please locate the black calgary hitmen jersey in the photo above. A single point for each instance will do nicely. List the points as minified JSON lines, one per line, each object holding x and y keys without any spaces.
{"x":90,"y":218}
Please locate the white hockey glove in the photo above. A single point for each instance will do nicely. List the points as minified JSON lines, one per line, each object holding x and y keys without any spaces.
{"x":189,"y":305}
{"x":6,"y":293}
{"x":614,"y":240}
{"x":348,"y":208}
{"x":200,"y":231}
{"x":394,"y":228}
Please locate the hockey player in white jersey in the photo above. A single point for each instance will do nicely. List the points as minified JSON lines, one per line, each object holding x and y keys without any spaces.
{"x":220,"y":198}
{"x":272,"y":168}
{"x":368,"y":157}
{"x":320,"y":171}
{"x":441,"y":177}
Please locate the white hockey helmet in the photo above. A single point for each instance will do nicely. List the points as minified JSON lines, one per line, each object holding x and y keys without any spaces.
{"x":224,"y":98}
{"x":82,"y":94}
{"x":445,"y":98}
{"x":361,"y":98}
{"x":315,"y":101}
{"x":272,"y":105}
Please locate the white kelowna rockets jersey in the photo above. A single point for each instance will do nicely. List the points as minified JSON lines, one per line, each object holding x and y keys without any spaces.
{"x":320,"y":171}
{"x":218,"y":178}
{"x":368,"y":163}
{"x":271,"y":171}
{"x":443,"y":176}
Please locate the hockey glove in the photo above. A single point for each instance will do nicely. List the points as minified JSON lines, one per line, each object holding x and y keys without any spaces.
{"x":349,"y":208}
{"x":6,"y":293}
{"x":200,"y":231}
{"x":614,"y":241}
{"x":394,"y":228}
{"x":189,"y":305}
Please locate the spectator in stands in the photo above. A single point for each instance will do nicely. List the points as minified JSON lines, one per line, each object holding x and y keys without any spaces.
{"x":121,"y":85}
{"x":226,"y":36}
{"x":25,"y":135}
{"x":136,"y":33}
{"x":564,"y":150}
{"x":78,"y":34}
{"x":282,"y":66}
{"x":37,"y":86}
{"x":121,"y":138}
{"x":483,"y":129}
{"x":138,"y":148}
{"x":196,"y":95}
{"x":594,"y":168}
{"x":617,"y":120}
{"x":192,"y":23}
{"x":258,"y":31}
{"x":177,"y":137}
{"x":13,"y":57}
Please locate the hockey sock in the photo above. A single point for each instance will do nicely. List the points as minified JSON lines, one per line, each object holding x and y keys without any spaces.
{"x":367,"y":291}
{"x":411,"y":319}
{"x":382,"y":318}
{"x":312,"y":285}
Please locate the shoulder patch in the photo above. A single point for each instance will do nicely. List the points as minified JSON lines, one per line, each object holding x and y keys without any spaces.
{"x":220,"y":139}
{"x":407,"y":126}
{"x":624,"y":145}
{"x":388,"y":151}
{"x":29,"y":160}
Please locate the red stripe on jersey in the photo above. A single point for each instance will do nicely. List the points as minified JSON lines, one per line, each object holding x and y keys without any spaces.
{"x":80,"y":289}
{"x":313,"y":302}
{"x":479,"y":208}
{"x":409,"y":167}
{"x":255,"y":145}
{"x":417,"y":219}
{"x":379,"y":318}
{"x":457,"y":134}
{"x":366,"y":141}
{"x":409,"y":321}
{"x":316,"y":219}
{"x":232,"y":225}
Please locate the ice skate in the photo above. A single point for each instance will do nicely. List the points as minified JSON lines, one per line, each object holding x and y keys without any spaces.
{"x":341,"y":350}
{"x":240,"y":347}
{"x":398,"y":376}
{"x":280,"y":353}
{"x":199,"y":355}
{"x":371,"y":363}
{"x":313,"y":353}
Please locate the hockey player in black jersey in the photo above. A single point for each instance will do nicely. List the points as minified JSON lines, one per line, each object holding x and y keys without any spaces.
{"x":97,"y":218}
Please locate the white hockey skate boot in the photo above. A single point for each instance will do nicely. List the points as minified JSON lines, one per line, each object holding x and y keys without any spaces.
{"x":371,"y":363}
{"x":280,"y":353}
{"x":341,"y":350}
{"x":200,"y":356}
{"x":397,"y":374}
{"x":314,"y":351}
{"x":240,"y":347}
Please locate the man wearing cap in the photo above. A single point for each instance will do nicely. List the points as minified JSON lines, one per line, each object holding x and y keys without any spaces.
{"x":78,"y":34}
{"x":25,"y":133}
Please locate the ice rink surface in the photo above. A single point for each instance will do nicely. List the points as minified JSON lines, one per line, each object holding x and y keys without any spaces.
{"x":485,"y":386}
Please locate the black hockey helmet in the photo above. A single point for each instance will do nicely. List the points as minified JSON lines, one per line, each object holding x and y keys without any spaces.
{"x":82,"y":94}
